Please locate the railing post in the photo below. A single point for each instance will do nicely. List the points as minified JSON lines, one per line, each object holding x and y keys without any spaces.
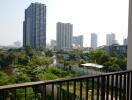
{"x":57,"y":93}
{"x":80,"y":89}
{"x":107,"y":88}
{"x":112,"y":86}
{"x":103,"y":88}
{"x":44,"y":92}
{"x":67,"y":90}
{"x":2,"y":95}
{"x":124,"y":87}
{"x":60,"y":91}
{"x":87,"y":89}
{"x":120,"y":87}
{"x":92,"y":96}
{"x":25,"y":93}
{"x":52,"y":91}
{"x":98,"y":85}
{"x":128,"y":83}
{"x":116,"y":86}
{"x":35,"y":92}
{"x":74,"y":88}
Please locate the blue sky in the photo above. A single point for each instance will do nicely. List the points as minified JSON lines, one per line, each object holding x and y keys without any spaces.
{"x":87,"y":16}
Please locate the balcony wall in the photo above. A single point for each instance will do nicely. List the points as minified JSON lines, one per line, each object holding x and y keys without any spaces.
{"x":129,"y":65}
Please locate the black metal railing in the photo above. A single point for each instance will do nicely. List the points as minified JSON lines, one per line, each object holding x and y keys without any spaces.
{"x":110,"y":86}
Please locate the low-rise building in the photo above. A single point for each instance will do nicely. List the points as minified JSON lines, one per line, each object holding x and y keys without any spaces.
{"x":116,"y":49}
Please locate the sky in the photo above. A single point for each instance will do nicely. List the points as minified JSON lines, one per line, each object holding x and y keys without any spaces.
{"x":87,"y":16}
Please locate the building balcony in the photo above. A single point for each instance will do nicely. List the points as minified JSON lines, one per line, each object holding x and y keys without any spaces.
{"x":109,"y":86}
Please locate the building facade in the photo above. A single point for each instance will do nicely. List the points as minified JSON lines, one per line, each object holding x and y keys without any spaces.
{"x":64,"y":33}
{"x":116,"y":49}
{"x":77,"y":41}
{"x":34,"y":26}
{"x":110,"y":39}
{"x":94,"y":40}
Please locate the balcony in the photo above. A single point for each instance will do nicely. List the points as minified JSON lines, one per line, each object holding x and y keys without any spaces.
{"x":109,"y":86}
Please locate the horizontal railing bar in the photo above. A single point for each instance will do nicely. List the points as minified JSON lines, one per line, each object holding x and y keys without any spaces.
{"x":46,"y":82}
{"x":21,"y":85}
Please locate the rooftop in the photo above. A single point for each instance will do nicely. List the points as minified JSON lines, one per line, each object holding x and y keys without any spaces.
{"x":92,"y":65}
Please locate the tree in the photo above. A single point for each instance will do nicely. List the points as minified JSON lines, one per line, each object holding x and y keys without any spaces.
{"x":65,"y":63}
{"x":40,"y":61}
{"x":4,"y":78}
{"x":94,"y":56}
{"x":46,"y":61}
{"x":74,"y":55}
{"x":81,"y":62}
{"x":11,"y":58}
{"x":122,"y":62}
{"x":49,"y":53}
{"x":21,"y":77}
{"x":115,"y":67}
{"x":113,"y":60}
{"x":23,"y":59}
{"x":3,"y":62}
{"x":103,"y":59}
{"x":29,"y":51}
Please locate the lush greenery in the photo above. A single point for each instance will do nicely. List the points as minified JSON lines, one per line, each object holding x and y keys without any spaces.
{"x":24,"y":65}
{"x":110,"y":62}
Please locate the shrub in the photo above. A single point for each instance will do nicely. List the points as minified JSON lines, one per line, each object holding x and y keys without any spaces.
{"x":4,"y":78}
{"x":47,"y":76}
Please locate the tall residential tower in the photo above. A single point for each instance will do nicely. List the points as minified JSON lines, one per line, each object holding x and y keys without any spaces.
{"x":34,"y":26}
{"x":125,"y":41}
{"x":94,"y":40}
{"x":64,"y":35}
{"x":110,"y":39}
{"x":77,"y":41}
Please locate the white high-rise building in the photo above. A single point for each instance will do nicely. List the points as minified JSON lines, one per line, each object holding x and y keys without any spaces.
{"x":110,"y":39}
{"x":94,"y":40}
{"x":17,"y":44}
{"x":53,"y":43}
{"x":64,"y":35}
{"x":125,"y":41}
{"x":77,"y":41}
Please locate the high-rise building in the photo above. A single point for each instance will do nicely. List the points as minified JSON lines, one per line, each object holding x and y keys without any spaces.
{"x":77,"y":41}
{"x":64,"y":35}
{"x":17,"y":44}
{"x":34,"y":26}
{"x":53,"y":43}
{"x":110,"y":39}
{"x":116,"y":49}
{"x":94,"y":40}
{"x":125,"y":41}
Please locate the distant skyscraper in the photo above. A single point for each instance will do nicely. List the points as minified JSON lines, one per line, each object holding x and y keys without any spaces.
{"x":94,"y":40}
{"x":34,"y":26}
{"x":64,"y":35}
{"x":77,"y":41}
{"x":53,"y":43}
{"x":110,"y":39}
{"x":17,"y":44}
{"x":125,"y":41}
